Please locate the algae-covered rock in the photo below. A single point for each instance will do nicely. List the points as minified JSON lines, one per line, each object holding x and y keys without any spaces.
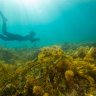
{"x":69,"y":75}
{"x":37,"y":90}
{"x":53,"y":72}
{"x":91,"y":53}
{"x":46,"y":94}
{"x":8,"y":90}
{"x":28,"y":90}
{"x":81,"y":53}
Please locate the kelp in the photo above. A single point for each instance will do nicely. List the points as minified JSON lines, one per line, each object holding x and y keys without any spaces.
{"x":52,"y":71}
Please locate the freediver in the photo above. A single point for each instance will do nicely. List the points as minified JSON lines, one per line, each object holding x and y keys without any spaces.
{"x":10,"y":36}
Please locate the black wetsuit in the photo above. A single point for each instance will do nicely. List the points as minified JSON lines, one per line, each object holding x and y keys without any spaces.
{"x":10,"y":36}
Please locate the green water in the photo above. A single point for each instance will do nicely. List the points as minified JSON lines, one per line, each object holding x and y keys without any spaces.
{"x":53,"y":21}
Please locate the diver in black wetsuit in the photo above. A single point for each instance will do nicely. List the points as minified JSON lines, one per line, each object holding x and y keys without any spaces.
{"x":10,"y":36}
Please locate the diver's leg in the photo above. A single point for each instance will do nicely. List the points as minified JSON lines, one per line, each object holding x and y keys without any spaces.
{"x":4,"y":28}
{"x":3,"y":17}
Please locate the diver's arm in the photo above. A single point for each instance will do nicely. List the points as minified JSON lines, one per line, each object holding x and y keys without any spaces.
{"x":4,"y":38}
{"x":34,"y":40}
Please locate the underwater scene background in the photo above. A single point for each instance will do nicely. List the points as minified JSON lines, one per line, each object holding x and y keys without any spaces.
{"x":47,"y":47}
{"x":52,"y":21}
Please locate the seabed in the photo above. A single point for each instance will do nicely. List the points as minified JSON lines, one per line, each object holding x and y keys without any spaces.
{"x":61,"y":70}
